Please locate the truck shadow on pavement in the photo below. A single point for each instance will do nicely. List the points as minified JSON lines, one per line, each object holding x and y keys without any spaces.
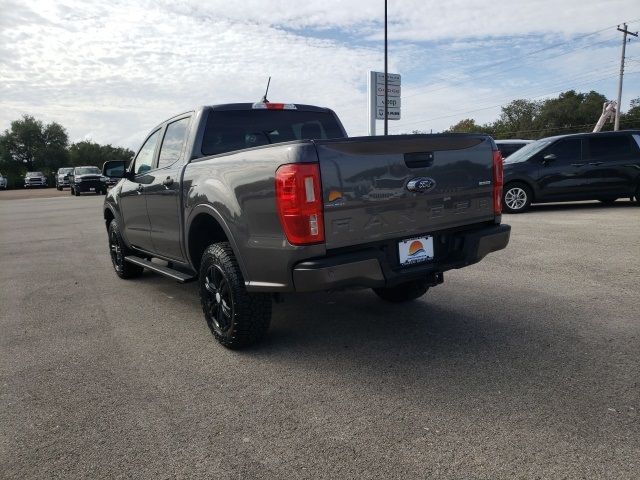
{"x":528,"y":354}
{"x":504,"y":348}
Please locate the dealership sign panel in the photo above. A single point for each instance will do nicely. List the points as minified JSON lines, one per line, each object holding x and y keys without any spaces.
{"x":376,"y":98}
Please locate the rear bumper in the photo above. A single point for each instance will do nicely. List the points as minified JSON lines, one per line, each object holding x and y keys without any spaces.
{"x":374,"y":267}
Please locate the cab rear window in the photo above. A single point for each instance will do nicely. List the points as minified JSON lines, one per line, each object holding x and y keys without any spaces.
{"x":231,"y":130}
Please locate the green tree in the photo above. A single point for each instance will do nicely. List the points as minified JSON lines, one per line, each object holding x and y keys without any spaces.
{"x":519,"y":119}
{"x":55,"y":153}
{"x":571,"y":112}
{"x":468,"y":125}
{"x":631,"y":119}
{"x":33,"y":145}
{"x":87,"y":152}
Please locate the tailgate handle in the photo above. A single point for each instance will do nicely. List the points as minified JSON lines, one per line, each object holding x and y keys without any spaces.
{"x":418,"y":159}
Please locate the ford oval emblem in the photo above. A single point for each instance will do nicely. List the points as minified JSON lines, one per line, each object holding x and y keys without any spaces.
{"x":421,"y":184}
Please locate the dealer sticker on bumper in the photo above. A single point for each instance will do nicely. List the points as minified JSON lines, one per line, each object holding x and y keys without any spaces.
{"x":416,"y":250}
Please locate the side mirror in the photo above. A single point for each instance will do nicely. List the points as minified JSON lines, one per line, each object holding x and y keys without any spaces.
{"x":115,"y":169}
{"x":549,"y":158}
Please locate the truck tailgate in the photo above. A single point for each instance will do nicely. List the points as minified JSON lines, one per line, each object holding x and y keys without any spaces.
{"x":365,"y":185}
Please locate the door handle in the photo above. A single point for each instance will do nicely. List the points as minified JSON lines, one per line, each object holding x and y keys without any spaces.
{"x":595,"y":164}
{"x":140,"y":188}
{"x":577,"y":164}
{"x":167,"y":182}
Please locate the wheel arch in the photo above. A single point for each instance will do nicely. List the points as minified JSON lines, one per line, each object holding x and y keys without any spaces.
{"x":204,"y":227}
{"x":109,"y":215}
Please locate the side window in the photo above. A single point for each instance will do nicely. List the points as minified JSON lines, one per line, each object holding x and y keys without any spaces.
{"x":144,"y":160}
{"x":173,"y":142}
{"x":566,"y":151}
{"x":508,"y":148}
{"x":610,"y":147}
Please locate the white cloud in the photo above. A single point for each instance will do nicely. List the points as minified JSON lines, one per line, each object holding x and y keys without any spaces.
{"x":112,"y":70}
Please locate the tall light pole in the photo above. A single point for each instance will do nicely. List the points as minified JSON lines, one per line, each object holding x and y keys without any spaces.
{"x":386,"y":113}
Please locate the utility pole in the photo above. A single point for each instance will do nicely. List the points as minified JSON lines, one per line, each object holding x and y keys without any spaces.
{"x":616,"y":125}
{"x":386,"y":100}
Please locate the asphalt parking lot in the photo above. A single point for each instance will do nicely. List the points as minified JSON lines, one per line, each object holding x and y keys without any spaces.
{"x":525,"y":365}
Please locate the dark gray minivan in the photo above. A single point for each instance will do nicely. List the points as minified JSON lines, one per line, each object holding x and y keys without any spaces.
{"x":588,"y":166}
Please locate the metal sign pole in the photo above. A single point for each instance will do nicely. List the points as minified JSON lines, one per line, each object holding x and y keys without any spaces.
{"x":371,"y":84}
{"x":386,"y":93}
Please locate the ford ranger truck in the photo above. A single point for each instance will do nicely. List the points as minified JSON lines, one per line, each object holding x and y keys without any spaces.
{"x":257,"y":200}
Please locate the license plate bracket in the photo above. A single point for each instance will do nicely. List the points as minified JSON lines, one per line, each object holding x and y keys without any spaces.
{"x":415,"y":250}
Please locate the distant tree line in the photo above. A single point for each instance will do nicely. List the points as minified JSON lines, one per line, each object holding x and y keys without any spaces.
{"x":570,"y":112}
{"x":30,"y":145}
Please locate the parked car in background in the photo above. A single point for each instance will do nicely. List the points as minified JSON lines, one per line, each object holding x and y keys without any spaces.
{"x":35,"y":179}
{"x":3,"y":182}
{"x":62,"y":177}
{"x":587,"y":166}
{"x":507,"y":147}
{"x":87,"y":179}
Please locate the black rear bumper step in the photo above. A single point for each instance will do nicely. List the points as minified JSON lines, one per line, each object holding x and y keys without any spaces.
{"x":181,"y":277}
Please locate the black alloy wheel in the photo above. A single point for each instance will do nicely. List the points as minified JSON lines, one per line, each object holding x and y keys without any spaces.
{"x":117,"y":251}
{"x":117,"y":258}
{"x":235,"y":317}
{"x":217,"y":300}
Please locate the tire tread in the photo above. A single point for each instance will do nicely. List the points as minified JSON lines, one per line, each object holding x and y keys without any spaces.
{"x":251,"y":311}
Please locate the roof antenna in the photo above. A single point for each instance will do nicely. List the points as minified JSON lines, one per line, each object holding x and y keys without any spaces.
{"x":264,"y":97}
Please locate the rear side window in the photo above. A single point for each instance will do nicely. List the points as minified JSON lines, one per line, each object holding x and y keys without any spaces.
{"x":507,"y":149}
{"x":231,"y":130}
{"x":173,"y":142}
{"x":610,"y":147}
{"x":566,"y":151}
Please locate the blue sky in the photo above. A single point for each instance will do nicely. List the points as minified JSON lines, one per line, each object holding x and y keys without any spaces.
{"x":109,"y":71}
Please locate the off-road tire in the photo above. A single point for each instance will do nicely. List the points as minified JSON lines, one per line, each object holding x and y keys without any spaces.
{"x":247,"y":316}
{"x":516,"y":190}
{"x":123,"y":269}
{"x":404,"y":292}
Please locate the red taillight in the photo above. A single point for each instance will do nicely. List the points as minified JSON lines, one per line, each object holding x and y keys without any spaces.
{"x":299,"y":203}
{"x":497,"y":182}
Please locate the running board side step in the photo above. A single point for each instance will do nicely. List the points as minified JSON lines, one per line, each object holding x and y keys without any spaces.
{"x":181,"y":277}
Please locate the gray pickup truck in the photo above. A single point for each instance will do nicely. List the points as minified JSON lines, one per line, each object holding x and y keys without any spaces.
{"x":257,"y":200}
